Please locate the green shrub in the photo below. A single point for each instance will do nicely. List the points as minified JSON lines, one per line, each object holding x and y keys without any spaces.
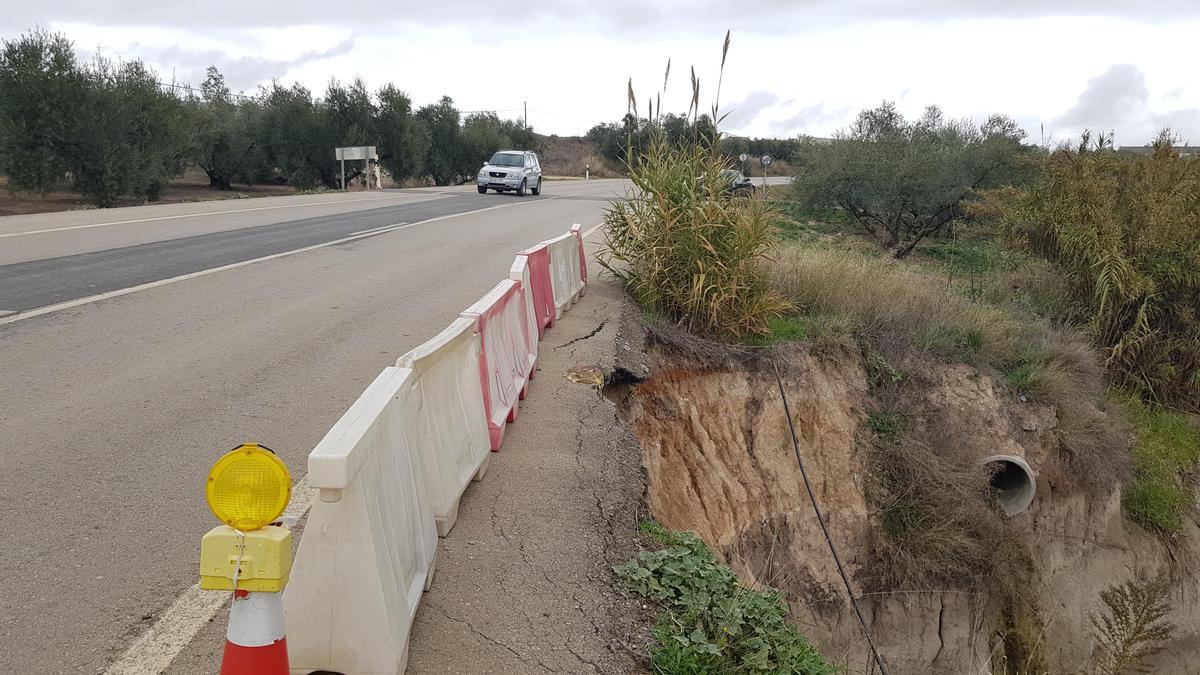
{"x":710,"y":623}
{"x":1123,"y":231}
{"x":686,"y":249}
{"x":1165,"y":461}
{"x":900,"y":180}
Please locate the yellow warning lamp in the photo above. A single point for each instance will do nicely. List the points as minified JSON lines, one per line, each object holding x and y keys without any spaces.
{"x":248,"y":488}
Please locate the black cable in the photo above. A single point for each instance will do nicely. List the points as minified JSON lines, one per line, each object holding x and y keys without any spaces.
{"x":821,"y":519}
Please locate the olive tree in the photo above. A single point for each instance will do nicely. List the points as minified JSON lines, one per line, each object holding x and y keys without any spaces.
{"x":901,"y":181}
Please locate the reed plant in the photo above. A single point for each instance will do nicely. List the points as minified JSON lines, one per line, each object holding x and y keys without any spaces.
{"x":685,"y":248}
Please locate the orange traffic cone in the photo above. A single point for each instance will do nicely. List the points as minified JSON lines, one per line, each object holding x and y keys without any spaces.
{"x":255,"y":643}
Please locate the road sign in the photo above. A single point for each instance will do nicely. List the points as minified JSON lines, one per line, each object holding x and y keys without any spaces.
{"x":742,"y":157}
{"x":765,"y":160}
{"x":359,"y":152}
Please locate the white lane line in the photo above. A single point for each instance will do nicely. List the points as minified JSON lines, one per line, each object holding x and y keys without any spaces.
{"x":196,"y":215}
{"x":49,"y":309}
{"x":158,"y":646}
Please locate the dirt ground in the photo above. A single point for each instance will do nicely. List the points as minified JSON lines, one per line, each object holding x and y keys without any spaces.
{"x":192,"y":187}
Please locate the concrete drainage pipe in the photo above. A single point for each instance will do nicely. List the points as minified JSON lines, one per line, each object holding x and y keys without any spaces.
{"x":1012,"y":482}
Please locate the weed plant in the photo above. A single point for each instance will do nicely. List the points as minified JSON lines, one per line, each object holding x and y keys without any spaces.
{"x":710,"y":623}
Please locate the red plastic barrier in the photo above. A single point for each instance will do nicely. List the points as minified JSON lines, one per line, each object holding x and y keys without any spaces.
{"x":538,"y":259}
{"x":577,"y":230}
{"x":506,"y":361}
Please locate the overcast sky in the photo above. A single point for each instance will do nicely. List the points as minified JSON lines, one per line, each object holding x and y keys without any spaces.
{"x":795,"y":67}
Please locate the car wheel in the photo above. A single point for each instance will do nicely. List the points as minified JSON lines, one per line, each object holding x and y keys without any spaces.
{"x":521,"y":189}
{"x":538,"y":189}
{"x":482,"y":190}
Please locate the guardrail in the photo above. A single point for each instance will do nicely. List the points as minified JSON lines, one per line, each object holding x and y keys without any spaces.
{"x":370,"y":545}
{"x":537,"y":262}
{"x":392,"y":470}
{"x":454,"y":444}
{"x":566,"y":277}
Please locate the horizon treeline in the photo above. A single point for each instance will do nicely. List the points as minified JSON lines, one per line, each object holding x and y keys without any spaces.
{"x":112,"y":130}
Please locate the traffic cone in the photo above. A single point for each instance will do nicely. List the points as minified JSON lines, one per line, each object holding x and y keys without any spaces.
{"x":255,"y":643}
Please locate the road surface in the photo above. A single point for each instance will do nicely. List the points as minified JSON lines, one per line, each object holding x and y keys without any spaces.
{"x":139,"y":344}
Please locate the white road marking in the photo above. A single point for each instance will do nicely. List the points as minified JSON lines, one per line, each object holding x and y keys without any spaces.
{"x":375,"y":229}
{"x":195,"y":215}
{"x":158,"y":646}
{"x":49,"y":309}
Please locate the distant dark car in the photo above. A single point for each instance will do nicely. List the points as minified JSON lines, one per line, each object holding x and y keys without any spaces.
{"x":737,"y":183}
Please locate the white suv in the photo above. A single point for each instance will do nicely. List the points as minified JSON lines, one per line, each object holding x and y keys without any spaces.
{"x":516,"y":170}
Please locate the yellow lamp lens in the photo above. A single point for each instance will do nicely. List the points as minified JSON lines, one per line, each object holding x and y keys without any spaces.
{"x":248,"y":488}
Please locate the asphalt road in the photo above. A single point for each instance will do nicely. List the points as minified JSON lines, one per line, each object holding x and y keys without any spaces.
{"x":112,"y":409}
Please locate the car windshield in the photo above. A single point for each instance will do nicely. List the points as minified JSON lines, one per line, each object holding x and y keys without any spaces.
{"x":506,"y":159}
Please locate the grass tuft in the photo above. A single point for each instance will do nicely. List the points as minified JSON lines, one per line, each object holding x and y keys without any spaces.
{"x":1165,"y":458}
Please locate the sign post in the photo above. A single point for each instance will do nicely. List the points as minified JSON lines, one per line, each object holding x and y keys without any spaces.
{"x":765,"y":160}
{"x":363,"y":152}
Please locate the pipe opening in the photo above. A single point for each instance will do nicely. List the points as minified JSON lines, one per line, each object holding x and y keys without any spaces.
{"x":1012,"y":483}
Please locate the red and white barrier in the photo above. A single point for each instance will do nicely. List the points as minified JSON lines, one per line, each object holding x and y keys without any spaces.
{"x":565,"y":275}
{"x":519,"y":272}
{"x":453,"y":446}
{"x":507,"y":363}
{"x":537,"y":261}
{"x":392,"y":470}
{"x":369,"y":547}
{"x":577,"y":230}
{"x":255,"y":642}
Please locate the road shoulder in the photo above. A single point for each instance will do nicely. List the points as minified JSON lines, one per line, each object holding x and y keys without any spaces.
{"x":524,"y":581}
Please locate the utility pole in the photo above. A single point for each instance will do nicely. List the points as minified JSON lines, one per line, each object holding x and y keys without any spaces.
{"x":526,"y":115}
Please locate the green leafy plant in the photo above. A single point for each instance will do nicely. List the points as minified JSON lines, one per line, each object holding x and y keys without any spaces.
{"x":710,"y":623}
{"x":1131,"y":628}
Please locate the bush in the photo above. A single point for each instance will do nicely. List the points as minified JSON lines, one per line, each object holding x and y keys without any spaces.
{"x":710,"y":623}
{"x":902,"y":181}
{"x":1123,"y":231}
{"x":687,"y":251}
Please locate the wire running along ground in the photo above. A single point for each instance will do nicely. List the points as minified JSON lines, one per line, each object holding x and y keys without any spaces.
{"x":821,"y":520}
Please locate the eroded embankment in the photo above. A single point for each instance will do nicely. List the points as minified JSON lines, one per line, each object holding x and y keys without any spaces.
{"x":1018,"y":593}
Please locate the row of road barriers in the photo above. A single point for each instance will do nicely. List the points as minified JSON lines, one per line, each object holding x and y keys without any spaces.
{"x":391,"y":471}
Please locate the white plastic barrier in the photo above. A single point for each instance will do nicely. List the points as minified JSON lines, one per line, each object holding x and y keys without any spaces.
{"x":369,"y":547}
{"x":453,"y":434}
{"x":502,"y":321}
{"x":519,"y":272}
{"x":565,"y":276}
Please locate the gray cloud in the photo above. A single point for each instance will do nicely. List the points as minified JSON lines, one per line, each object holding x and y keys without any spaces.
{"x":241,"y":74}
{"x":808,"y":119}
{"x":764,"y":16}
{"x":744,"y":112}
{"x":1111,"y":100}
{"x":1119,"y":100}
